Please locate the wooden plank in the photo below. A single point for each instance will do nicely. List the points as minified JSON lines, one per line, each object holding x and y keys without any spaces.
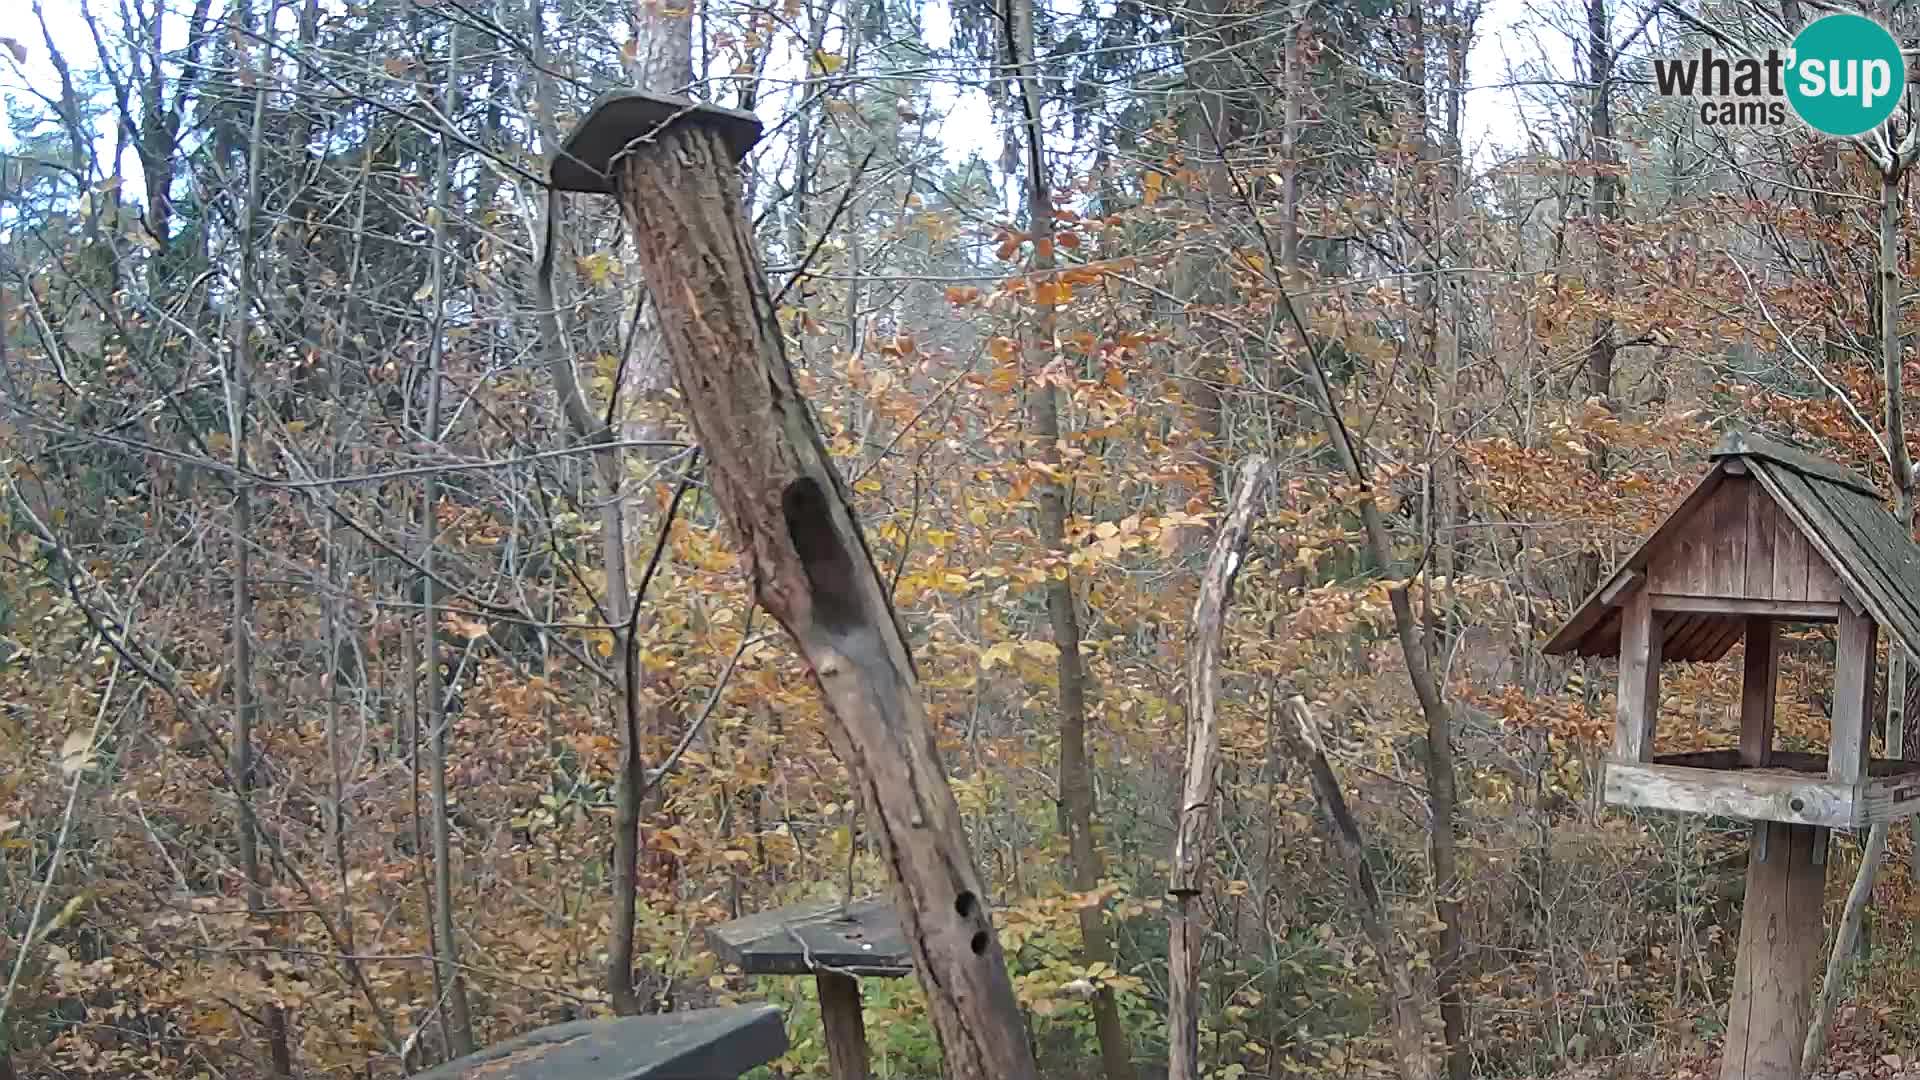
{"x":1705,"y":635}
{"x":1727,"y":543}
{"x":1623,"y":581}
{"x":1886,"y":799}
{"x":1790,"y":554}
{"x":1780,"y":945}
{"x":863,"y":939}
{"x":709,"y":1043}
{"x":1731,"y":631}
{"x":1755,"y":795}
{"x":1869,"y":554}
{"x":1852,"y":692}
{"x":1757,"y":685}
{"x":1639,"y":691}
{"x":1785,"y":610}
{"x":1711,"y":759}
{"x":1760,"y":526}
{"x":1885,"y":569}
{"x":1813,"y":765}
{"x":1591,"y":612}
{"x":1674,"y":633}
{"x":1746,"y":444}
{"x":1825,"y":524}
{"x":845,"y":1028}
{"x":1602,"y":639}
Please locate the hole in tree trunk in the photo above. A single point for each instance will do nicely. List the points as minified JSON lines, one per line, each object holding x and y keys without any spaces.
{"x":828,"y":565}
{"x":980,"y":941}
{"x":964,"y":905}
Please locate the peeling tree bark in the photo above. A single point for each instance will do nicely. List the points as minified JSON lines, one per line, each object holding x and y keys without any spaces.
{"x":1194,"y":838}
{"x":808,"y":560}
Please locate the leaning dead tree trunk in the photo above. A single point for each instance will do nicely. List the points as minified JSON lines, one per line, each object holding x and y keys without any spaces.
{"x":1194,"y":837}
{"x":1405,"y":1008}
{"x":790,"y":514}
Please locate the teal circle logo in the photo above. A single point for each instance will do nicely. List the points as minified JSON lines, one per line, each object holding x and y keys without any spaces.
{"x":1847,"y":74}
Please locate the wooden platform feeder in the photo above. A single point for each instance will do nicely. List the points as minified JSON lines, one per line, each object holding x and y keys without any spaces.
{"x":698,"y":1044}
{"x":1771,"y":535}
{"x":837,"y":946}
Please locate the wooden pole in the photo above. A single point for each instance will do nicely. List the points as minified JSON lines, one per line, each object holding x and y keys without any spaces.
{"x":846,"y":1028}
{"x":1638,"y":702}
{"x":1193,"y":839}
{"x":1781,"y":934}
{"x":804,"y":552}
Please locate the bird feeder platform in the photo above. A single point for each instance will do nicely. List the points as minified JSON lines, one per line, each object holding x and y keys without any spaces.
{"x":623,"y":119}
{"x":836,"y":945}
{"x":865,"y":939}
{"x":698,"y":1044}
{"x":1791,"y":787}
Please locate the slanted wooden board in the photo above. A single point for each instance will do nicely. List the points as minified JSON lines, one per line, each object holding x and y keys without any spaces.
{"x":1792,"y":787}
{"x":800,"y":939}
{"x":698,"y":1044}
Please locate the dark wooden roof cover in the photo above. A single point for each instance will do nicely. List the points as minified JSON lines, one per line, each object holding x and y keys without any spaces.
{"x":866,"y":941}
{"x":698,"y":1044}
{"x":622,"y":117}
{"x":1841,"y":516}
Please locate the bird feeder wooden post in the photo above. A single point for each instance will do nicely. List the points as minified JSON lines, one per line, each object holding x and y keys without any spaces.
{"x":838,"y":945}
{"x":673,"y":163}
{"x":1771,"y":535}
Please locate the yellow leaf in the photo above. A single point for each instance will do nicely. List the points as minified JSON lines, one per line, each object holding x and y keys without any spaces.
{"x":1040,"y":650}
{"x":1151,"y":184}
{"x":76,"y":751}
{"x":828,"y":63}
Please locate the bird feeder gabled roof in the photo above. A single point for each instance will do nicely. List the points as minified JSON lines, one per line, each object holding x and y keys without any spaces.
{"x":1761,"y":498}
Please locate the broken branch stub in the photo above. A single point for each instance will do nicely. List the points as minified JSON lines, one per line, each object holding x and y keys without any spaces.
{"x":811,"y":569}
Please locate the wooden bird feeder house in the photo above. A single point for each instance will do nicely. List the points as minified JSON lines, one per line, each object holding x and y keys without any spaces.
{"x":1771,"y":535}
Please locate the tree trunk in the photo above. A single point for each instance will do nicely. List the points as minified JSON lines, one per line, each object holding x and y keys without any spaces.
{"x":803,"y":550}
{"x":1441,"y":792}
{"x":1404,"y":1007}
{"x":458,"y":1023}
{"x":1853,"y":915}
{"x":245,"y":707}
{"x":1439,"y":750}
{"x":1602,"y":214}
{"x":1050,"y":498}
{"x":1193,"y":838}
